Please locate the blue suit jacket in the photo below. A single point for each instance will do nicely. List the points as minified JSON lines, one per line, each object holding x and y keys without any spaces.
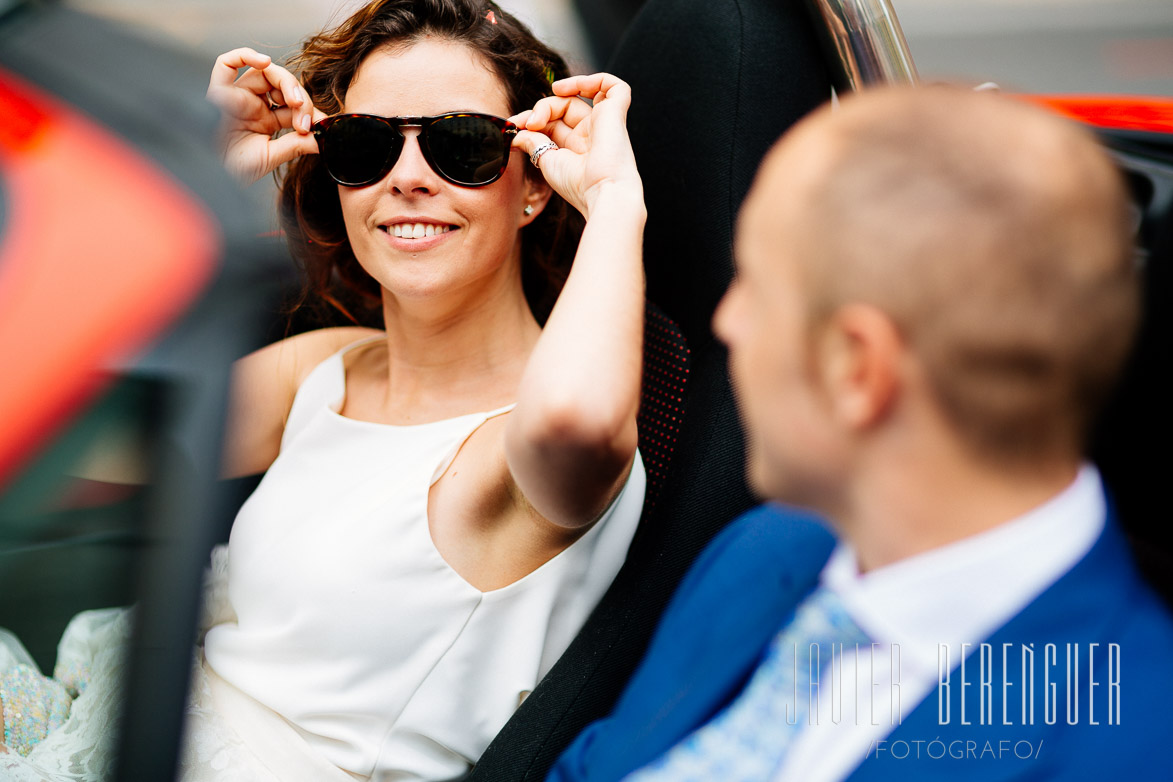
{"x":745,"y":587}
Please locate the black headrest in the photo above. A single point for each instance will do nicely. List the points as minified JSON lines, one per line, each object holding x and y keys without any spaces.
{"x":714,"y":84}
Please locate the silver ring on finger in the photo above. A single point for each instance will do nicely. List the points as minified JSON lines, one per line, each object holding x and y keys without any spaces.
{"x":543,"y":149}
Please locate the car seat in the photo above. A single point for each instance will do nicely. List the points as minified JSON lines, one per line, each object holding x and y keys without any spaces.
{"x":1131,"y":441}
{"x":714,"y":84}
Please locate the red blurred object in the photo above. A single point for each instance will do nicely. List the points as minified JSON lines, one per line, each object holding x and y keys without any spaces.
{"x":100,"y":250}
{"x":1152,"y":114}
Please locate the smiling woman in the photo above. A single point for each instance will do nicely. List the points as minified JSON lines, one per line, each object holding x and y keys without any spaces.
{"x":445,"y":500}
{"x":520,"y":70}
{"x":480,"y":249}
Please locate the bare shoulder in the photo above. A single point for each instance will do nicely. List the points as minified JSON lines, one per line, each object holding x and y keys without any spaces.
{"x":287,"y":362}
{"x":263,"y":386}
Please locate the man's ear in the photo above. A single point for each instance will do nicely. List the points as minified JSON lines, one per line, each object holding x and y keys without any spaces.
{"x":860,"y":351}
{"x":537,"y":195}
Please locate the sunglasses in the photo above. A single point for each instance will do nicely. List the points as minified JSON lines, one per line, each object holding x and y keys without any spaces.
{"x":466,"y":149}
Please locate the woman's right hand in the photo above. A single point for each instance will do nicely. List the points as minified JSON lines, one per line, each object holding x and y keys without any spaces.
{"x":253,"y":108}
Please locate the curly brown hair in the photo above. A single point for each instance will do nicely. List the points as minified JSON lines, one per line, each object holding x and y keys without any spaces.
{"x":310,"y":210}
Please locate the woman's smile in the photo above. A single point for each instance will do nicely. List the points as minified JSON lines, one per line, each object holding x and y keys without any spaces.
{"x":416,"y":234}
{"x":415,"y":230}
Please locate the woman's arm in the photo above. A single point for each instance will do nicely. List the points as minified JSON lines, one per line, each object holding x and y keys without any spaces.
{"x":570,"y":440}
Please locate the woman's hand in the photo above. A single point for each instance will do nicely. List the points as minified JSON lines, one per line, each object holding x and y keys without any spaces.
{"x":264,"y":100}
{"x":594,"y":153}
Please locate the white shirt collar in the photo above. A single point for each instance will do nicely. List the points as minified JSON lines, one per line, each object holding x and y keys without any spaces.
{"x":965,"y":590}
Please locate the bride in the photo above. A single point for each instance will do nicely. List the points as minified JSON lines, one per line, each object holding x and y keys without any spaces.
{"x":445,"y":499}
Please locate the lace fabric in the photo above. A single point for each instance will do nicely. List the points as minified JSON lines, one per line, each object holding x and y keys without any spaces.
{"x":91,"y":662}
{"x":211,"y":748}
{"x":91,"y":658}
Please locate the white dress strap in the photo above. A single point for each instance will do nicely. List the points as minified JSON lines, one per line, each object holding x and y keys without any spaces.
{"x":476,"y":423}
{"x":324,"y":386}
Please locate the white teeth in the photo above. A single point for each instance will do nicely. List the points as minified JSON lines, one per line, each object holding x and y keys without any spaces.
{"x":417,"y":230}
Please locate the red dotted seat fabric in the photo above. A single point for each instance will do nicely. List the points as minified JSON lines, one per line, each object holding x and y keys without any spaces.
{"x":665,"y":376}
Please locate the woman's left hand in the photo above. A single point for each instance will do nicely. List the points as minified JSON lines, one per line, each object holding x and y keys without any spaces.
{"x":594,"y":153}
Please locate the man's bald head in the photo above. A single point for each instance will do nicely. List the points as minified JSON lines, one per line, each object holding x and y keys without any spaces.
{"x":995,"y":236}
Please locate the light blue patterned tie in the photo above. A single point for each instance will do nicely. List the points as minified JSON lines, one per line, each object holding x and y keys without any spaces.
{"x":747,"y":741}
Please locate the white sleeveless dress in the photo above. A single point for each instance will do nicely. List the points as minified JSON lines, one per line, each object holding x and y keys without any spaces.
{"x":341,"y":644}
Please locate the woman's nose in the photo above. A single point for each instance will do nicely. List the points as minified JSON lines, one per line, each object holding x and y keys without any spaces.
{"x":411,"y":172}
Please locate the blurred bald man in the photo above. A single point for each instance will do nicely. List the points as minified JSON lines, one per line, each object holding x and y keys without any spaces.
{"x":935,"y":293}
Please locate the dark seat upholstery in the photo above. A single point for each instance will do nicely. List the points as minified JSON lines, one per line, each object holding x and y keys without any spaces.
{"x":714,"y":84}
{"x":1131,"y":443}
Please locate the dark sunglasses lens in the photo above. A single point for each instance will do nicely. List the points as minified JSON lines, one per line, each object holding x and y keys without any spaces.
{"x":359,"y":150}
{"x":468,"y":150}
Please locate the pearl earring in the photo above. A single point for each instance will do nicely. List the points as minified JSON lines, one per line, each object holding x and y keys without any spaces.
{"x":529,"y":210}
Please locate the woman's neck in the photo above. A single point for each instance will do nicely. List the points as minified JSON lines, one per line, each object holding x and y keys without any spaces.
{"x":452,"y":353}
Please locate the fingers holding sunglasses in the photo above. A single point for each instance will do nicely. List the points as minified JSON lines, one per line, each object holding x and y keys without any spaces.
{"x":582,"y":104}
{"x":249,"y":162}
{"x":609,"y":96}
{"x":529,"y":142}
{"x":561,"y":168}
{"x":244,"y":97}
{"x":596,"y":141}
{"x":228,"y":65}
{"x":287,"y":116}
{"x":557,"y":117}
{"x":596,"y":87}
{"x":274,"y":87}
{"x":254,"y":108}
